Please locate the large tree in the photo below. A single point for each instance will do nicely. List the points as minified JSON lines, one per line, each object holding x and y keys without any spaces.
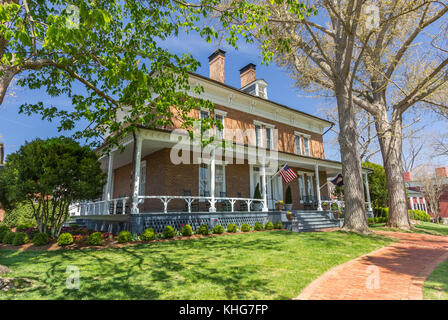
{"x":49,"y":175}
{"x":385,"y":57}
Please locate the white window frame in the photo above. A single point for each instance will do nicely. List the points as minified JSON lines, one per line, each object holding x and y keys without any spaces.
{"x":298,"y":147}
{"x":305,"y":143}
{"x":301,"y":186}
{"x":142,"y":180}
{"x":207,"y":181}
{"x":220,"y":133}
{"x":259,"y":135}
{"x":310,"y":184}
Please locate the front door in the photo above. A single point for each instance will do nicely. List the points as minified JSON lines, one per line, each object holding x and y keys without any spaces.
{"x":274,"y":190}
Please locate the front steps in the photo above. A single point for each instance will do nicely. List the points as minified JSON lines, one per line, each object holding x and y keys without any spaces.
{"x":310,"y":221}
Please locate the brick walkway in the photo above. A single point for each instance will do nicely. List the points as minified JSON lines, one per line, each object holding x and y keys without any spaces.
{"x":395,"y":272}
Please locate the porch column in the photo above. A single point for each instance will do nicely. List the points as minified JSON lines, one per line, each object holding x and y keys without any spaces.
{"x":424,"y":204}
{"x":319,"y":201}
{"x":263,"y":186}
{"x":411,"y":199}
{"x":366,"y":182}
{"x":110,"y":169}
{"x":212,"y":181}
{"x":138,"y":156}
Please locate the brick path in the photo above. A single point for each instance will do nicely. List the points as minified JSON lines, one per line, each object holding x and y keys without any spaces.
{"x":395,"y":272}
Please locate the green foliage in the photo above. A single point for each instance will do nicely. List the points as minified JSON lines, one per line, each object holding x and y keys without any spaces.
{"x":419,"y":215}
{"x":168,"y":232}
{"x":288,"y":195}
{"x":148,"y":235}
{"x":56,"y":172}
{"x":278,"y":225}
{"x":65,"y":239}
{"x":231,"y":228}
{"x":95,"y":239}
{"x":203,"y":229}
{"x":187,"y":230}
{"x":381,"y":212}
{"x":19,"y":214}
{"x":245,"y":227}
{"x":3,"y":228}
{"x":258,"y":226}
{"x":218,"y":229}
{"x":124,"y":237}
{"x":377,"y":184}
{"x":8,"y":237}
{"x":40,"y":239}
{"x":370,"y":220}
{"x":20,"y":238}
{"x":24,"y":226}
{"x":269,"y":226}
{"x":257,"y":193}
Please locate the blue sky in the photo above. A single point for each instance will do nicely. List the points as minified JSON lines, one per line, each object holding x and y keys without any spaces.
{"x":16,"y":128}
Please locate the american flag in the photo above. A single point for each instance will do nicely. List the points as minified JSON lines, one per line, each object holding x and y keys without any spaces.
{"x":288,"y":174}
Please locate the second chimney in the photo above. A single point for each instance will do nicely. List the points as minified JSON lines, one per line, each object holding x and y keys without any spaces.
{"x":442,"y":172}
{"x":247,"y":75}
{"x":216,"y":62}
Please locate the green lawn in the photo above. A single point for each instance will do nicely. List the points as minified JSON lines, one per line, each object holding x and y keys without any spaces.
{"x":436,"y":286}
{"x":424,"y":227}
{"x":262,"y":265}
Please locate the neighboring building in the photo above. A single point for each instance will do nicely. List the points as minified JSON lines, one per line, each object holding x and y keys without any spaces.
{"x":164,"y":186}
{"x":416,"y":199}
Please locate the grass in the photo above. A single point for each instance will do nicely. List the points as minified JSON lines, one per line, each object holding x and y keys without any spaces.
{"x":436,"y":285}
{"x":261,"y":265}
{"x":424,"y":227}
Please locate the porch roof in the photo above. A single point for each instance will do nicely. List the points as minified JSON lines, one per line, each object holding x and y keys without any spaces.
{"x":160,"y":139}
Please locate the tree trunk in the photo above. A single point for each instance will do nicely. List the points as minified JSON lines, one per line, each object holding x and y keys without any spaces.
{"x":355,"y":218}
{"x":390,"y":139}
{"x":5,"y":80}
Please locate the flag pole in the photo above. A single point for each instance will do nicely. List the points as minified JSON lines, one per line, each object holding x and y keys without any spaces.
{"x":278,"y":171}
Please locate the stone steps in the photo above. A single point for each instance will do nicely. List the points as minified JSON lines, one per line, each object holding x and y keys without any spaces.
{"x":310,"y":221}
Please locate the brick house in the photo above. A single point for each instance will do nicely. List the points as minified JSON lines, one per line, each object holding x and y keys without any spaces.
{"x":212,"y":183}
{"x":416,"y":199}
{"x":2,"y":156}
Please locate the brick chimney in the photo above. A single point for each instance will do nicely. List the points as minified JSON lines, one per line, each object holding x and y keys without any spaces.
{"x":442,"y":172}
{"x":216,"y":62}
{"x":407,"y":176}
{"x":247,"y":74}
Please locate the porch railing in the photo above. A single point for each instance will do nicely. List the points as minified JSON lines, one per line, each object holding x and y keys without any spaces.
{"x":123,"y":205}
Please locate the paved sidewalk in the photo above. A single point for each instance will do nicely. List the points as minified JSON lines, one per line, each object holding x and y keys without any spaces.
{"x":395,"y":272}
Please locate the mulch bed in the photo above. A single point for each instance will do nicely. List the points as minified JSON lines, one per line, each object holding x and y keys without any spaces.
{"x":108,"y":243}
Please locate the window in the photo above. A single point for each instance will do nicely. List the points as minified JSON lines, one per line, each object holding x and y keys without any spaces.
{"x":310,"y":185}
{"x":298,"y":145}
{"x":219,"y":132}
{"x":204,"y":181}
{"x":301,"y":186}
{"x":306,"y":145}
{"x":142,"y":181}
{"x":204,"y":114}
{"x":258,"y":136}
{"x":220,"y":180}
{"x":268,"y":138}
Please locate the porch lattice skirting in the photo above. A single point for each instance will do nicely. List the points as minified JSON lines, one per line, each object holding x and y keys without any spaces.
{"x":158,"y":221}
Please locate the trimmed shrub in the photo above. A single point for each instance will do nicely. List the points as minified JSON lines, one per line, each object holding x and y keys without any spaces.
{"x":258,"y":226}
{"x":20,"y":238}
{"x":245,"y":227}
{"x":8,"y":238}
{"x":218,"y":229}
{"x":3,"y":228}
{"x":187,"y":230}
{"x":371,"y":220}
{"x":278,"y":225}
{"x":124,"y":237}
{"x":203,"y":229}
{"x":381,"y":212}
{"x":419,"y":215}
{"x":148,"y":235}
{"x":168,"y":232}
{"x":65,"y":239}
{"x":95,"y":239}
{"x":269,"y":226}
{"x":231,"y":228}
{"x":40,"y":239}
